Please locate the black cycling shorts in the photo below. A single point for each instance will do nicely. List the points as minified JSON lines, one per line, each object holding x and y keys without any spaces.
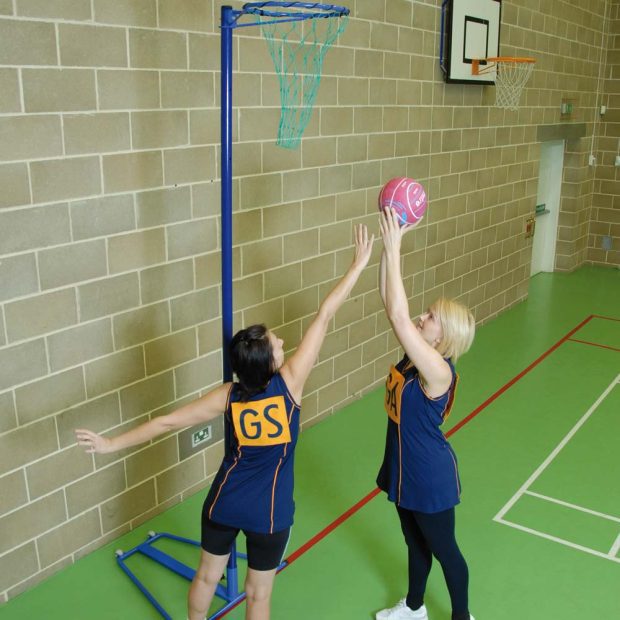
{"x":265,"y":551}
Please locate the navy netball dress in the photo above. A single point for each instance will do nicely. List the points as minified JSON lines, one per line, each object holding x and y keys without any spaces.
{"x":253,"y":489}
{"x":419,"y":470}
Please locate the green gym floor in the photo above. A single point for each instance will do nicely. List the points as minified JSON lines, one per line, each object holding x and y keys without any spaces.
{"x":536,"y":428}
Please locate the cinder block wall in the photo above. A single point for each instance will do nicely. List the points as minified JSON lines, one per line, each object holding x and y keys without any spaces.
{"x":605,"y":220}
{"x":109,"y":203}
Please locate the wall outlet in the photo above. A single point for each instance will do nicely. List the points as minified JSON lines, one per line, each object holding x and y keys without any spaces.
{"x":617,"y":162}
{"x":201,"y":436}
{"x":530,"y":227}
{"x":592,"y":160}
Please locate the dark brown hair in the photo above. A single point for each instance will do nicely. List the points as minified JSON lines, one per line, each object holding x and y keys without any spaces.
{"x":251,"y":358}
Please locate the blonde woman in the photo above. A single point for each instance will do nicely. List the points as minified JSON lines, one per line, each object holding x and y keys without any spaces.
{"x":253,"y":489}
{"x":419,"y":471}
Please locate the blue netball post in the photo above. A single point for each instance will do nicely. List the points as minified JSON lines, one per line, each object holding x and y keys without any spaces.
{"x":298,"y":59}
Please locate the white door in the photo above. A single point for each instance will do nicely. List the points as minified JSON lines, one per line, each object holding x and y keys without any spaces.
{"x":549,"y":192}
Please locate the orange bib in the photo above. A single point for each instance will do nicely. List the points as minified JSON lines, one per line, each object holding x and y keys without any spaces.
{"x":261,"y":422}
{"x":393,"y":393}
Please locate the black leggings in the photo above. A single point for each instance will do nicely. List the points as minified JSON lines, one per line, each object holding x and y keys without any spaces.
{"x":429,"y":535}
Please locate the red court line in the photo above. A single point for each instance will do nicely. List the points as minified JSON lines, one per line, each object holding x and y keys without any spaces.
{"x":332,"y":526}
{"x":318,"y":537}
{"x":510,"y":383}
{"x":351,"y":511}
{"x":594,"y":344}
{"x":605,"y":318}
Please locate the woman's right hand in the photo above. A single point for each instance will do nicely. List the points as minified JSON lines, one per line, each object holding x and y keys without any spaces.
{"x":93,"y":442}
{"x":363,"y":245}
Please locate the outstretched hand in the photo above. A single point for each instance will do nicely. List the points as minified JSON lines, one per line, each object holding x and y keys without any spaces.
{"x":363,"y":245}
{"x":391,"y":230}
{"x":92,"y":442}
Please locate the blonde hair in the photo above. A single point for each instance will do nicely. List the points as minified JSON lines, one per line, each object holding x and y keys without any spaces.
{"x":458,"y":327}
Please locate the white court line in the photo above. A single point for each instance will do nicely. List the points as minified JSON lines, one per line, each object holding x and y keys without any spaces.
{"x":613,"y":552}
{"x":498,"y":517}
{"x":574,"y":506}
{"x":567,"y":543}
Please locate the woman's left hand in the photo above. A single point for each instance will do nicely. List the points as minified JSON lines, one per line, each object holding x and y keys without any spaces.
{"x":363,"y":245}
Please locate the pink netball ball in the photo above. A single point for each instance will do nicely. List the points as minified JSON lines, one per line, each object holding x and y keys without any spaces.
{"x":407,"y":197}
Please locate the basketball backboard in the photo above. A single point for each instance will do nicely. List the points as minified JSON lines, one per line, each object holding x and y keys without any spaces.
{"x":469,"y":29}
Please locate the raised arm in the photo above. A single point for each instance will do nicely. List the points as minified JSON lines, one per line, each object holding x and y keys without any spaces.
{"x":205,"y":408}
{"x":382,"y":268}
{"x":382,"y":277}
{"x":434,"y":369}
{"x":296,"y":369}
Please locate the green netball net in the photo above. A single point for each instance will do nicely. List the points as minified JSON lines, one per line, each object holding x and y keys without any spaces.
{"x":298,"y":40}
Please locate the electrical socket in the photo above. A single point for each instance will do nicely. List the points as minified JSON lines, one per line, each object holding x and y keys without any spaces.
{"x":197,"y":438}
{"x":617,"y":162}
{"x":591,"y":160}
{"x":201,"y":435}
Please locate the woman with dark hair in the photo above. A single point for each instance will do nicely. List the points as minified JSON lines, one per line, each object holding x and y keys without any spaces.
{"x":253,"y":488}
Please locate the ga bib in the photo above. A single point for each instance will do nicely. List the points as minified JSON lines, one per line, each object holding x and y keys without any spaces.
{"x":393,"y":393}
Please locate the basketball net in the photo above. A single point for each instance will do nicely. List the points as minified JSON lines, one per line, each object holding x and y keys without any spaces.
{"x":510,"y":79}
{"x":511,"y":76}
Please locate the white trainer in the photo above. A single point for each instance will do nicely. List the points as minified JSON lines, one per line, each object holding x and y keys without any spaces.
{"x":401,"y":612}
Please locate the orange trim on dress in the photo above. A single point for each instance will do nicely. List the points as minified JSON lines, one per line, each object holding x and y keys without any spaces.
{"x":230,"y":389}
{"x":275,"y":476}
{"x":288,"y":393}
{"x":456,"y":474}
{"x":273,"y":493}
{"x":237,"y":459}
{"x":452,"y":396}
{"x":400,"y":463}
{"x":451,"y":391}
{"x":400,"y":447}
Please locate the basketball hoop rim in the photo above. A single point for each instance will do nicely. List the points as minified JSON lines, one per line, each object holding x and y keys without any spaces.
{"x":478,"y":68}
{"x":509,"y":59}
